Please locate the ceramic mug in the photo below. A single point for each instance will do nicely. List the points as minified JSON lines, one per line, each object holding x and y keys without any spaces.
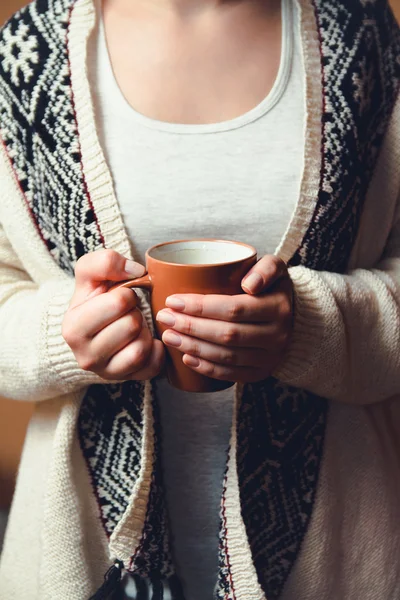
{"x":193,"y":266}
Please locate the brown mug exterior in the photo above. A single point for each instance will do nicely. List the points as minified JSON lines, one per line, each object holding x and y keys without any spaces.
{"x":164,"y":279}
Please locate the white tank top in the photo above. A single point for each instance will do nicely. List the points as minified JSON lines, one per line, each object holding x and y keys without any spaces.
{"x":238,"y":180}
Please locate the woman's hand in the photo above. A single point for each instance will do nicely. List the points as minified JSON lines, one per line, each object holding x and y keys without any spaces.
{"x":106,"y":331}
{"x":234,"y":338}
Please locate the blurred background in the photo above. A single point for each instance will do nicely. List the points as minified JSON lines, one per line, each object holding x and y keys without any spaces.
{"x":14,"y":416}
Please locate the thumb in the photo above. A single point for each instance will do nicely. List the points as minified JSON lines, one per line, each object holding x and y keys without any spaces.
{"x":95,"y":270}
{"x":264,"y":274}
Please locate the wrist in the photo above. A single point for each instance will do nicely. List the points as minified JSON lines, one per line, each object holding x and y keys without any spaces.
{"x":307,"y":328}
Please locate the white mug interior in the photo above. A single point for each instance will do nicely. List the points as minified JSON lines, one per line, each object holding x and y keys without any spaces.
{"x":201,"y":252}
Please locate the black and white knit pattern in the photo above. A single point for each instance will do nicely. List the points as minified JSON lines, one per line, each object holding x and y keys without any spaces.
{"x":39,"y":130}
{"x":154,"y":557}
{"x":360,"y":49}
{"x":38,"y":127}
{"x":224,"y":587}
{"x":110,"y":431}
{"x":280,"y":429}
{"x":280,"y":441}
{"x":284,"y":452}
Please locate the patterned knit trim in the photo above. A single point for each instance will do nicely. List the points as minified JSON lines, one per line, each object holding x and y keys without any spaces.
{"x":153,"y":556}
{"x":311,"y":178}
{"x":48,"y":131}
{"x":130,"y":528}
{"x":128,"y":533}
{"x":251,"y":533}
{"x":237,"y":576}
{"x":17,"y":70}
{"x":39,"y":130}
{"x":38,"y":112}
{"x":74,"y":108}
{"x":281,"y":429}
{"x":225,"y":589}
{"x":360,"y":45}
{"x":107,"y":415}
{"x":281,"y":432}
{"x":97,"y":176}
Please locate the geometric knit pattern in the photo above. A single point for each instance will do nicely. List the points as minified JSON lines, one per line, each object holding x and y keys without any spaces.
{"x":280,"y":442}
{"x":280,"y":429}
{"x":360,"y":49}
{"x":39,"y":130}
{"x":224,"y":589}
{"x":40,"y":135}
{"x":110,"y":428}
{"x":153,"y":556}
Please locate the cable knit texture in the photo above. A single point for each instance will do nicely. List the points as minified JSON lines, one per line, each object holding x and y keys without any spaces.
{"x":311,"y":493}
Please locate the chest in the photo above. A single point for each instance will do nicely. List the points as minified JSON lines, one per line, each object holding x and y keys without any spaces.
{"x":248,"y":197}
{"x":195,"y":69}
{"x":51,"y":140}
{"x":241,"y":184}
{"x":237,"y":179}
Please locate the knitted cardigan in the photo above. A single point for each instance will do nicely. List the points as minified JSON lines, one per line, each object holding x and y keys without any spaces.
{"x":310,"y":500}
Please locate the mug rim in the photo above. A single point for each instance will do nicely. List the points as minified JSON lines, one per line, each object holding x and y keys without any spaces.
{"x":201,"y":265}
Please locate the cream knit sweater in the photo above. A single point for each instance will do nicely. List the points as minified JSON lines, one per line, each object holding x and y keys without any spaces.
{"x":346,"y":347}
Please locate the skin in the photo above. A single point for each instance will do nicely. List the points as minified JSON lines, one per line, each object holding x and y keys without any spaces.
{"x":236,"y":338}
{"x":106,"y":331}
{"x":198,"y":61}
{"x":239,"y":338}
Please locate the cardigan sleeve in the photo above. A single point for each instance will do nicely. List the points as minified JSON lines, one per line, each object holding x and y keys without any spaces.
{"x":35,"y":361}
{"x":346,"y":339}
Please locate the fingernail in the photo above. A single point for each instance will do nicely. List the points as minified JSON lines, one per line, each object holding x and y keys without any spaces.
{"x":175,"y":303}
{"x":166,"y":318}
{"x":253,"y":283}
{"x":172,"y":339}
{"x":192,"y":361}
{"x":134,"y":269}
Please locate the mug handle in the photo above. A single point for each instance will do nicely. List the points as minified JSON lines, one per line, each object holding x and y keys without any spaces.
{"x":140,"y":282}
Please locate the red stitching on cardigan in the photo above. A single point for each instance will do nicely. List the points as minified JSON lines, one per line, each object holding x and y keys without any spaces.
{"x":323,"y":81}
{"x":223,"y":512}
{"x":140,"y":545}
{"x":94,"y":487}
{"x":93,"y":484}
{"x":85,"y":185}
{"x":323,"y":129}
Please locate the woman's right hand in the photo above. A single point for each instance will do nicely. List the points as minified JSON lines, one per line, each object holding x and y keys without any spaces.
{"x":106,"y":331}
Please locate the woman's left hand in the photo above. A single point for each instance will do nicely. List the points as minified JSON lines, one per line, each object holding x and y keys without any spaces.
{"x":239,"y":338}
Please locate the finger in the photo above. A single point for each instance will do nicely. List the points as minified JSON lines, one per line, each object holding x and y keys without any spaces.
{"x":93,"y":270}
{"x":246,"y":335}
{"x":264,"y":274}
{"x":117,"y":335}
{"x":237,"y":357}
{"x":154,"y":365}
{"x":131,"y":359}
{"x":223,"y":372}
{"x":240,"y":308}
{"x":87,"y":319}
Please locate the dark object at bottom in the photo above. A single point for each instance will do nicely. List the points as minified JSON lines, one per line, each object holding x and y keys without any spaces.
{"x":133,"y":587}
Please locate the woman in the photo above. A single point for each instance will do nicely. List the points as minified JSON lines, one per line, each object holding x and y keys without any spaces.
{"x":132,"y":123}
